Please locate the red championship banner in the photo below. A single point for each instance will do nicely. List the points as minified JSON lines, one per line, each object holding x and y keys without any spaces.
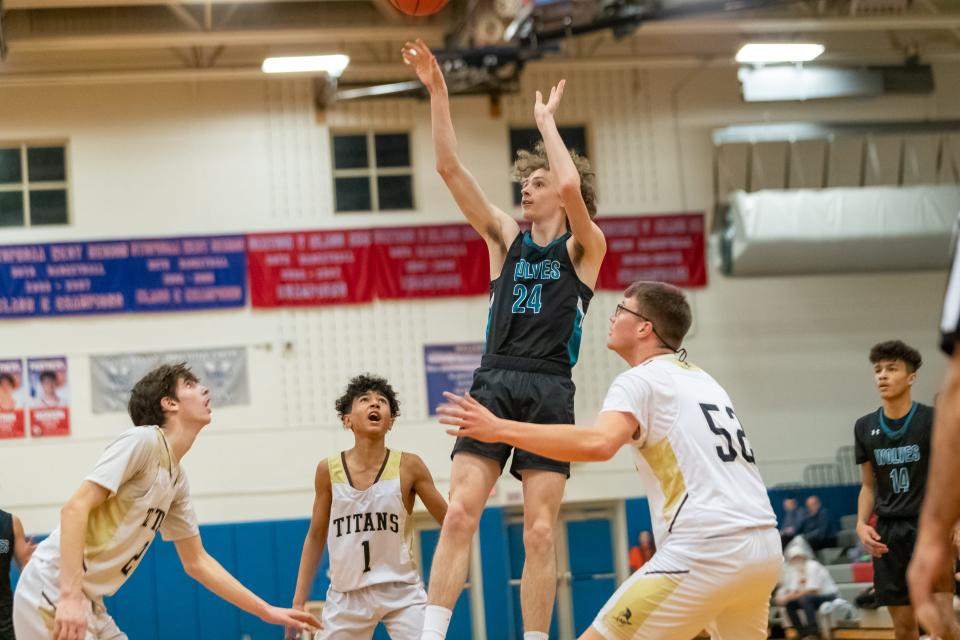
{"x":11,"y":399}
{"x":310,"y":268}
{"x":49,"y":397}
{"x":667,"y":248}
{"x":430,"y":261}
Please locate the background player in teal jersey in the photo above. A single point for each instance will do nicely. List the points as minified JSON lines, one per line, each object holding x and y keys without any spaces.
{"x":541,"y":284}
{"x":892,"y":447}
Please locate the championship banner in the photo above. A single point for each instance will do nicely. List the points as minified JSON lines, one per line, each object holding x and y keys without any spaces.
{"x":449,"y":367}
{"x":11,"y":399}
{"x":223,"y":371}
{"x":430,"y":261}
{"x":310,"y":268}
{"x":162,"y":274}
{"x":668,"y":248}
{"x":49,"y":397}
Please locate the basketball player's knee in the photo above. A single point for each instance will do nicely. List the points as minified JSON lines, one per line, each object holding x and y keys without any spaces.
{"x":460,"y":521}
{"x":538,"y":539}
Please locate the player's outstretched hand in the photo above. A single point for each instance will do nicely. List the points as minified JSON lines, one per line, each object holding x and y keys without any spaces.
{"x":930,"y":557}
{"x":290,"y":618}
{"x":70,"y":622}
{"x":870,"y":540}
{"x":543,"y":110}
{"x":471,"y":418}
{"x":418,"y":55}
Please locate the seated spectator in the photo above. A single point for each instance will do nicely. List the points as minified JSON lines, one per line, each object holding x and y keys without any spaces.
{"x":806,"y":584}
{"x":642,"y":552}
{"x":793,"y":517}
{"x":818,"y":528}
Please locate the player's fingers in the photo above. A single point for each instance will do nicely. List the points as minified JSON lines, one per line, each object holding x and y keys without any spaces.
{"x":451,"y":410}
{"x":455,"y":399}
{"x":303,"y":616}
{"x":453,"y":432}
{"x":539,"y":98}
{"x":453,"y":422}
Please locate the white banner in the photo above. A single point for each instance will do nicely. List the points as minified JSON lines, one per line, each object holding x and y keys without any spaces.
{"x":223,"y":371}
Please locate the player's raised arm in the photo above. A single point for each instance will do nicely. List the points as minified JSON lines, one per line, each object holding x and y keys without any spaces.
{"x":589,"y":237}
{"x":316,"y":536}
{"x":495,"y":226}
{"x":425,"y":488}
{"x":612,"y":430}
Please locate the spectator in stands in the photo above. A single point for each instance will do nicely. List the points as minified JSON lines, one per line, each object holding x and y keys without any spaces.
{"x":818,"y":528}
{"x":643,"y":551}
{"x":793,"y":517}
{"x":806,"y":585}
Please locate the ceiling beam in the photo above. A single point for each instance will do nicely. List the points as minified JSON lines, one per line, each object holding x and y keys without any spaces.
{"x":81,"y":4}
{"x":245,"y":37}
{"x":758,"y":26}
{"x":356,"y":73}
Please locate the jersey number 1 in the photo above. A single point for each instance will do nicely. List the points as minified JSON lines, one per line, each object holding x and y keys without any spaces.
{"x":366,"y":555}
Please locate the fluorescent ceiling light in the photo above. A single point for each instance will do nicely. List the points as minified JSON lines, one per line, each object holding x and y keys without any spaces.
{"x":333,"y":65}
{"x":757,"y":53}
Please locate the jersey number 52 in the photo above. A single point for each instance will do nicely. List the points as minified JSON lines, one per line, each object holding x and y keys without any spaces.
{"x":728,"y":453}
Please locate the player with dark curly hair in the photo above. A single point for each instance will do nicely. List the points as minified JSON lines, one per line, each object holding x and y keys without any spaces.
{"x":364,"y":497}
{"x":892,"y":447}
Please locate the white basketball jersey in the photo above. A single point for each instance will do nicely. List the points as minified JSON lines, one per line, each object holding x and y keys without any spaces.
{"x":370,"y":538}
{"x":691,"y":452}
{"x":148,"y":492}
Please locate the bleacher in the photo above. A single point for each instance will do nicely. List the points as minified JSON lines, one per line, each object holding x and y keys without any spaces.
{"x":853,"y":576}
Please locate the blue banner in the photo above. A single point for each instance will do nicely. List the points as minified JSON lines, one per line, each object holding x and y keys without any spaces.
{"x":114,"y":276}
{"x":449,"y":367}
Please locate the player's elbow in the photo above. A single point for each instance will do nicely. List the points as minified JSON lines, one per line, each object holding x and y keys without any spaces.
{"x":72,"y":510}
{"x":602,"y":448}
{"x":570,"y":187}
{"x":448,"y":168}
{"x":194,"y":567}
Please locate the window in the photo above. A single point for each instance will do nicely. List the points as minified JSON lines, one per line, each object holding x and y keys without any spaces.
{"x":372,"y":171}
{"x":575,"y":137}
{"x":33,"y":185}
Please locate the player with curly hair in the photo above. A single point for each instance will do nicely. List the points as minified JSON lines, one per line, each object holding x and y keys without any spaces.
{"x":364,"y":497}
{"x":541,"y":283}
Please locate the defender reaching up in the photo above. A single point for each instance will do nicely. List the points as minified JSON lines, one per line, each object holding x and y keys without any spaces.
{"x":541,"y":284}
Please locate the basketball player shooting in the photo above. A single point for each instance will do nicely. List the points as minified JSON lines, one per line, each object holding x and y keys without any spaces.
{"x":542,"y":281}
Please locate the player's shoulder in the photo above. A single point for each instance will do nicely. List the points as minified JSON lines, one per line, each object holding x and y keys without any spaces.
{"x":145,"y":438}
{"x":925,"y":415}
{"x":411,"y":462}
{"x":866,"y":421}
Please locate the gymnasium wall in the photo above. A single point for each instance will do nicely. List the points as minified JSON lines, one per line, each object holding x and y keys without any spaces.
{"x":182,"y":158}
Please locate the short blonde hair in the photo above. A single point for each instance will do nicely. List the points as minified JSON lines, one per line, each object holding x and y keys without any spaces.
{"x":529,"y":161}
